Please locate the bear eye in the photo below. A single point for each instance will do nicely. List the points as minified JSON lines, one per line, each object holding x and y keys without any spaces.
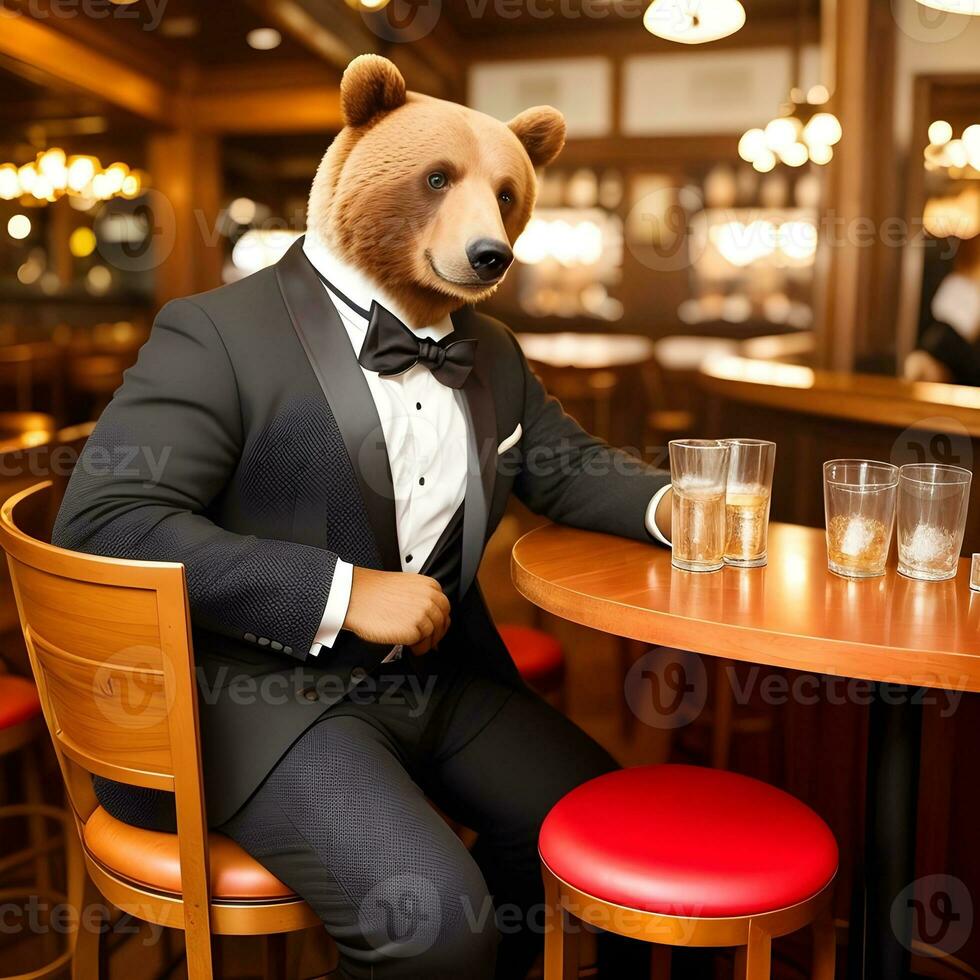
{"x":505,"y":197}
{"x":437,"y":181}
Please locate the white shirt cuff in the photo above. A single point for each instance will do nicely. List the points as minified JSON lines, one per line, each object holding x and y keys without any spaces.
{"x":336,"y":611}
{"x":651,"y":520}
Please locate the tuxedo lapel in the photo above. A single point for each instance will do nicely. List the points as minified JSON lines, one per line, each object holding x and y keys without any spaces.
{"x":332,"y":358}
{"x":476,"y":400}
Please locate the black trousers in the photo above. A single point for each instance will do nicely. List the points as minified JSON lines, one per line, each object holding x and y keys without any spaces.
{"x":345,"y":820}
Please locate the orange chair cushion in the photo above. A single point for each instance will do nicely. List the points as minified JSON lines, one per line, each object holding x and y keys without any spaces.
{"x":18,"y":701}
{"x":689,"y":841}
{"x":538,"y":656}
{"x":151,"y":859}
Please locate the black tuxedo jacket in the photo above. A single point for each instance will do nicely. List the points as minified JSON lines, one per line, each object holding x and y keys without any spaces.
{"x":245,"y":444}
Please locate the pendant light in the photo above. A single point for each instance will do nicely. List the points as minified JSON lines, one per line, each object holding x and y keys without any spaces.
{"x":694,"y":21}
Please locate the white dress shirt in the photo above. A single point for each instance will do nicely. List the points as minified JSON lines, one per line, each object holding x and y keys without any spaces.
{"x":425,"y":435}
{"x":424,"y":431}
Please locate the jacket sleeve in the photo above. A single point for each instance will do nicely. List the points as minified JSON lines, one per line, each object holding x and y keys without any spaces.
{"x":575,"y":478}
{"x":162,"y":452}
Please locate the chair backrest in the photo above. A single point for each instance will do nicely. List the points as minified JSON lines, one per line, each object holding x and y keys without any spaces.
{"x":109,"y":643}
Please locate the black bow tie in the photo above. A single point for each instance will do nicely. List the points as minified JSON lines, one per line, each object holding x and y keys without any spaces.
{"x":390,"y":348}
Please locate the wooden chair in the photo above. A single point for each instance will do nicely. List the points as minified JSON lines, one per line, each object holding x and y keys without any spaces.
{"x":110,"y":646}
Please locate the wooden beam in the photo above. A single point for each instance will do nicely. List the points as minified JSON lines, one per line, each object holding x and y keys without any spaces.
{"x":848,"y":320}
{"x":618,"y":39}
{"x":42,"y":47}
{"x":186,"y":169}
{"x":308,"y":109}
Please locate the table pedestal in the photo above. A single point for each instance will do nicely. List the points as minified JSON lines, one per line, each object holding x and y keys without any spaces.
{"x":880,"y":941}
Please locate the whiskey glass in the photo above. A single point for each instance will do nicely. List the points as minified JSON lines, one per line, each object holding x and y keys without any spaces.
{"x":932,"y":503}
{"x":698,"y":475}
{"x":859,"y":505}
{"x":750,"y":468}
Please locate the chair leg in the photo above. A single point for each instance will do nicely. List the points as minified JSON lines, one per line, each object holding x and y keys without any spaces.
{"x":560,"y":945}
{"x":86,"y":964}
{"x":276,"y":956}
{"x":754,"y":961}
{"x":824,"y":948}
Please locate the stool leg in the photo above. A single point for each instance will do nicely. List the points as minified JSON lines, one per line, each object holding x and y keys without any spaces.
{"x":37,"y":829}
{"x":560,"y":945}
{"x":660,"y":957}
{"x":753,"y":962}
{"x":824,"y":948}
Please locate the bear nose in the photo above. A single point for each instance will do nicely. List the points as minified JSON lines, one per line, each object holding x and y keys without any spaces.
{"x":489,"y":257}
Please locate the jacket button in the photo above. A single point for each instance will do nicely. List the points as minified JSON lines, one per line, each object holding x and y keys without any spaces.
{"x":276,"y":645}
{"x":358,"y":674}
{"x":249,"y":637}
{"x":263,"y":641}
{"x":310,"y":694}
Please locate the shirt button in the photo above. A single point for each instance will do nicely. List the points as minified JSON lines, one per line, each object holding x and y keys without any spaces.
{"x":408,"y":558}
{"x":421,"y":481}
{"x":418,"y":406}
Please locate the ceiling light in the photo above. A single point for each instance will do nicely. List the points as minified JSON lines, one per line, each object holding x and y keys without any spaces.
{"x":967,"y":7}
{"x":19,"y":226}
{"x":940,"y":132}
{"x":263,"y":38}
{"x":753,"y":141}
{"x":694,"y":21}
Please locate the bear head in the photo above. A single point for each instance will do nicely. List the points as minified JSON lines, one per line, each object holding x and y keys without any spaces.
{"x":426,"y":197}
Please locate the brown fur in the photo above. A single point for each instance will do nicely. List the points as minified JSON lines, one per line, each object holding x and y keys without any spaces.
{"x":371,"y":203}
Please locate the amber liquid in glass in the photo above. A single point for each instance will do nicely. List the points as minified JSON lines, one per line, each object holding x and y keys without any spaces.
{"x":698,"y":529}
{"x":747,"y":525}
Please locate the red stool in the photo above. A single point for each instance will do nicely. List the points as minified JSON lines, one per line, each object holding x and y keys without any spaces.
{"x":539,"y":658}
{"x":685,"y":856}
{"x":21,"y":725}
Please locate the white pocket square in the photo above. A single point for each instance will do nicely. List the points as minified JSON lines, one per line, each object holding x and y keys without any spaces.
{"x":511,"y":440}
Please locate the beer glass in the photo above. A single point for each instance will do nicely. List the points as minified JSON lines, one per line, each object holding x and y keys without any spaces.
{"x":932,"y":505}
{"x":698,"y":474}
{"x":859,"y":505}
{"x":750,"y":466}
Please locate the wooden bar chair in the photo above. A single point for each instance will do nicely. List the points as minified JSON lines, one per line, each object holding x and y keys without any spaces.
{"x":110,"y":646}
{"x":687,"y":856}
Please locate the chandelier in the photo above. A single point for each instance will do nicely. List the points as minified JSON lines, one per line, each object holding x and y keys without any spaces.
{"x":967,"y":7}
{"x":959,"y":157}
{"x":803,"y":132}
{"x":694,"y":21}
{"x":54,"y":174}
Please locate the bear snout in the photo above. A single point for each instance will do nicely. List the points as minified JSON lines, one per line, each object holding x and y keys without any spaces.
{"x":489,"y":258}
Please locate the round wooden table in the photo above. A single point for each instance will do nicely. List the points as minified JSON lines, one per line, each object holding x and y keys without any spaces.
{"x":902,"y":634}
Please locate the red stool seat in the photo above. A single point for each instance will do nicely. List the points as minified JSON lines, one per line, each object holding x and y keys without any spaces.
{"x":688,"y":841}
{"x":19,"y":701}
{"x":538,"y":656}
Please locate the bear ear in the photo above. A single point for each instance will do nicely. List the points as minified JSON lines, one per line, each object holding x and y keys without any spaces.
{"x":542,"y":132}
{"x":371,"y":85}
